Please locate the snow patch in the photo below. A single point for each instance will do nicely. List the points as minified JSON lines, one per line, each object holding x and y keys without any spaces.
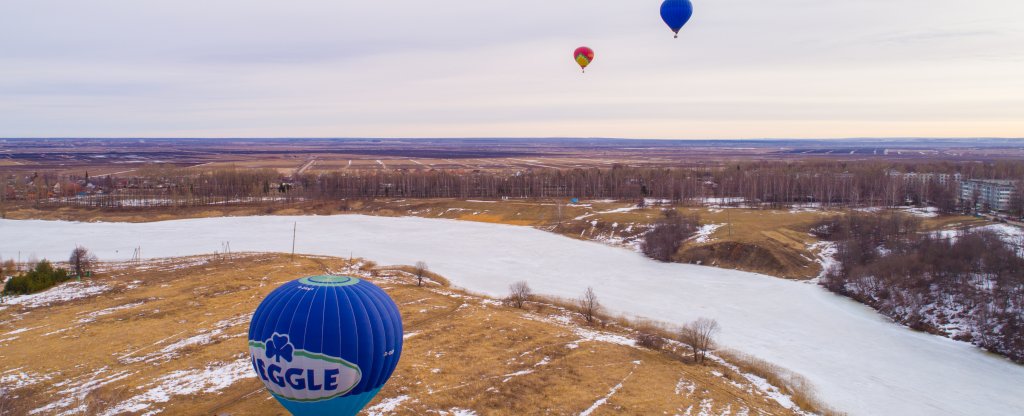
{"x":78,"y":391}
{"x":93,"y":315}
{"x":685,"y":385}
{"x":588,"y":335}
{"x":14,"y":379}
{"x":510,"y":376}
{"x":923,"y":212}
{"x":21,"y":330}
{"x":604,"y":399}
{"x":705,"y":231}
{"x":62,"y":293}
{"x":762,"y":385}
{"x":386,"y":406}
{"x":217,"y":333}
{"x":826,"y":255}
{"x":619,"y":210}
{"x":212,"y":379}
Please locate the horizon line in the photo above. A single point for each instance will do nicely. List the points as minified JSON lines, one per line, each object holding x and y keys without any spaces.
{"x":499,"y":138}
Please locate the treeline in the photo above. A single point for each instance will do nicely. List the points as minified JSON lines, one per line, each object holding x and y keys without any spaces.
{"x":969,"y":286}
{"x":770,"y":184}
{"x":773,"y":184}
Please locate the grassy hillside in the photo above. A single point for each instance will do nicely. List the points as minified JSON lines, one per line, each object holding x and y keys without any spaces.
{"x":169,"y":336}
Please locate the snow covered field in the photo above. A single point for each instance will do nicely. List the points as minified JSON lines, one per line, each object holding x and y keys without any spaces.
{"x":859,"y":362}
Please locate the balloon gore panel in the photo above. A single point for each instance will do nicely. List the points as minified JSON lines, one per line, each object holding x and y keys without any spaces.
{"x":325,"y":344}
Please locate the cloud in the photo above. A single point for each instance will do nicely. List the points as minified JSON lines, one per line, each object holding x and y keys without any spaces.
{"x":742,"y":68}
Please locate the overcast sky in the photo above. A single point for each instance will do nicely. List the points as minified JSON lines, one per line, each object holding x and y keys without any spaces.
{"x":503,"y":68}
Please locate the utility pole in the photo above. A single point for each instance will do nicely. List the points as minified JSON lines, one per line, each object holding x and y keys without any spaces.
{"x":728,"y":218}
{"x":295,"y":227}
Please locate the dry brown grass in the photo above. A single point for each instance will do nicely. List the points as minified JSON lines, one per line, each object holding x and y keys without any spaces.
{"x":461,"y":351}
{"x":952,"y":222}
{"x":800,"y":390}
{"x":410,"y":272}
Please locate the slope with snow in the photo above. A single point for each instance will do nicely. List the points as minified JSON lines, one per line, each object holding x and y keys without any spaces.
{"x":860,"y":362}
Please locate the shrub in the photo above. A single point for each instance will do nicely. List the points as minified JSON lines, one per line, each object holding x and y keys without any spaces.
{"x":42,"y":277}
{"x":420,"y":270}
{"x":699,"y":336}
{"x":519,"y":294}
{"x":589,"y":306}
{"x":650,"y":340}
{"x":662,"y":242}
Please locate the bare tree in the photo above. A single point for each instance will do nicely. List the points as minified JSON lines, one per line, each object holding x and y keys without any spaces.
{"x":421,"y":271}
{"x":589,"y":306}
{"x":699,"y":336}
{"x":1017,"y":200}
{"x":519,"y":294}
{"x":30,"y":263}
{"x":81,"y":260}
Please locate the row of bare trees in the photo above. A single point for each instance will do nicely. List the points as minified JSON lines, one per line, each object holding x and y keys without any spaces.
{"x":698,"y":336}
{"x":773,"y":183}
{"x":970,"y":280}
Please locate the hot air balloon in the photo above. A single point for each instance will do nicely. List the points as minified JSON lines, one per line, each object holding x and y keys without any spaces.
{"x":676,"y":13}
{"x":584,"y":56}
{"x":325,"y":344}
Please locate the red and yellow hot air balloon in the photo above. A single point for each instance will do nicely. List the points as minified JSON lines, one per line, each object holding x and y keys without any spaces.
{"x":584,"y":56}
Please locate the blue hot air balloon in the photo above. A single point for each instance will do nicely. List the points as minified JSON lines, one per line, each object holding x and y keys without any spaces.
{"x":676,"y":13}
{"x":325,"y":345}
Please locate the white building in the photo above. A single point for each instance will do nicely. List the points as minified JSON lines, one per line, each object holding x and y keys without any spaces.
{"x":914,"y":177}
{"x":988,"y":194}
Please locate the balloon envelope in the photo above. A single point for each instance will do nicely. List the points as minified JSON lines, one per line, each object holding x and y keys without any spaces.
{"x":325,"y":344}
{"x":676,"y":13}
{"x":583,"y":56}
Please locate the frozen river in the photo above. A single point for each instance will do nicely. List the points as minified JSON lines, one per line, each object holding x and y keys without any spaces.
{"x":859,"y":362}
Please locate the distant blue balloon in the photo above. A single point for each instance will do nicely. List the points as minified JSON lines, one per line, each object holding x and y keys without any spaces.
{"x":676,"y":13}
{"x":325,"y":345}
